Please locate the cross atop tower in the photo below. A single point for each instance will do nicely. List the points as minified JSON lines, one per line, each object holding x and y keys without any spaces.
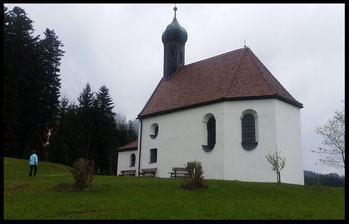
{"x":175,"y":9}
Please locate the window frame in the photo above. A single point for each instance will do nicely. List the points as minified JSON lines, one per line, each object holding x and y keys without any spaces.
{"x":133,"y":160}
{"x":249,"y":127}
{"x":209,"y":120}
{"x":153,"y":155}
{"x":154,"y":130}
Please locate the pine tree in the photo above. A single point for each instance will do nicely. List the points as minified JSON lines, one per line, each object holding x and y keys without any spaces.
{"x":58,"y":151}
{"x":86,"y":98}
{"x":62,"y":109}
{"x":105,"y":129}
{"x":22,"y":81}
{"x":104,"y":101}
{"x":86,"y":121}
{"x":51,"y":56}
{"x":70,"y":133}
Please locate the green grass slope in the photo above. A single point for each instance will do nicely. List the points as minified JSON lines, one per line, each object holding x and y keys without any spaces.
{"x":49,"y":196}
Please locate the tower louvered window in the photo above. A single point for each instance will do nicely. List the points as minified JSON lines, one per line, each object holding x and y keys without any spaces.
{"x":248,"y":127}
{"x":172,"y":53}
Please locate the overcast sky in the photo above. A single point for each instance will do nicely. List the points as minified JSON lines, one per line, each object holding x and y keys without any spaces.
{"x":119,"y":45}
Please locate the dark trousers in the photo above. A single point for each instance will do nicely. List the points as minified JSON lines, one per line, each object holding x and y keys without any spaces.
{"x":31,"y":169}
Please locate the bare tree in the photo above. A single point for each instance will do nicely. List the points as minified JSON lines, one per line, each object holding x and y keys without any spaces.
{"x":333,"y":151}
{"x":277,"y":163}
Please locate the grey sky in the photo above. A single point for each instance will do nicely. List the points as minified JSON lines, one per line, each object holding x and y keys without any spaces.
{"x":119,"y":45}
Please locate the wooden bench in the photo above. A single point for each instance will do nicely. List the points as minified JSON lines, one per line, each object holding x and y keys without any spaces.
{"x":149,"y":171}
{"x":128,"y":173}
{"x":179,"y":172}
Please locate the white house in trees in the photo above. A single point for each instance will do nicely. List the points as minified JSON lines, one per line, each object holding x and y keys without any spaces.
{"x":227,"y":112}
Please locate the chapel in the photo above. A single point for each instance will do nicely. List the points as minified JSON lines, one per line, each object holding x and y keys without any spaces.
{"x":227,"y":112}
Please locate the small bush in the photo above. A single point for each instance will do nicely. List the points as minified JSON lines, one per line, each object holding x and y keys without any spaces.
{"x":83,"y":172}
{"x":195,"y":178}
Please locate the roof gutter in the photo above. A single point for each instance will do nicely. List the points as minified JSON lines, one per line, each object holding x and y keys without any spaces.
{"x":223,"y":99}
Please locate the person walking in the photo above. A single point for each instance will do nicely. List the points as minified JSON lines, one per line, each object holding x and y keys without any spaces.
{"x":33,"y":163}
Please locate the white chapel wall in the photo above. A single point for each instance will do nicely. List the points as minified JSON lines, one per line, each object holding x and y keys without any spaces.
{"x":182,"y":134}
{"x":249,"y":165}
{"x":289,"y":142}
{"x":124,"y":159}
{"x":180,"y":139}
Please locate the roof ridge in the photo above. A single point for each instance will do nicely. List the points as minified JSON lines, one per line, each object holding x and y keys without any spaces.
{"x":236,"y":70}
{"x":276,"y":80}
{"x":214,"y":57}
{"x":259,"y":70}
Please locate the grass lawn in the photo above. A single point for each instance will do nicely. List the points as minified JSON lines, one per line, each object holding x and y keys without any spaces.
{"x":49,"y":195}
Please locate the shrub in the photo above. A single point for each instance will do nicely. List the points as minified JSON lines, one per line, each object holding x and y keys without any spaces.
{"x":83,"y":172}
{"x":195,"y":178}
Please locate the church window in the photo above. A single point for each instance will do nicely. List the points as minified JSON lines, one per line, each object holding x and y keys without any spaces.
{"x":154,"y":130}
{"x":132,"y":160}
{"x":248,"y":131}
{"x":153,"y":155}
{"x":210,"y":132}
{"x":181,"y":56}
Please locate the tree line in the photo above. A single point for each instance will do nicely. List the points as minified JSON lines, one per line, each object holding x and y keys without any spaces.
{"x":331,"y":180}
{"x":32,"y":101}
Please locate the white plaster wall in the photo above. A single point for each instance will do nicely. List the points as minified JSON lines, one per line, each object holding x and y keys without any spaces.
{"x":124,"y":159}
{"x":289,"y":142}
{"x":240,"y":164}
{"x":180,"y":139}
{"x":182,"y":134}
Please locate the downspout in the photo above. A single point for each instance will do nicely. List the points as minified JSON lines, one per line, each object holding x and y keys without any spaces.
{"x":117,"y":162}
{"x":140,"y":147}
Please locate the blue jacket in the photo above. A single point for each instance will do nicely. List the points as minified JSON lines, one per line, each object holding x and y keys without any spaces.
{"x":33,"y":160}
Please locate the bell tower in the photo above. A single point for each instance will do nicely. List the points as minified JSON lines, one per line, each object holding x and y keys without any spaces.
{"x":173,"y":38}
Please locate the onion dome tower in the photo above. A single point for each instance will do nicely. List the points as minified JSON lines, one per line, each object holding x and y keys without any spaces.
{"x":173,"y":38}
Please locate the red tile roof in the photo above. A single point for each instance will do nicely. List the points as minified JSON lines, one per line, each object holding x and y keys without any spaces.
{"x":235,"y":75}
{"x":130,"y":146}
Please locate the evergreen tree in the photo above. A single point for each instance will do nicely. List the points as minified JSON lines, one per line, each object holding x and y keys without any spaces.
{"x":58,"y":151}
{"x":34,"y":143}
{"x":86,"y":98}
{"x":31,"y":80}
{"x":131,"y":131}
{"x":62,"y":109}
{"x":22,"y":81}
{"x":51,"y":56}
{"x":105,"y":102}
{"x":86,"y":120}
{"x":70,"y":132}
{"x":105,"y":129}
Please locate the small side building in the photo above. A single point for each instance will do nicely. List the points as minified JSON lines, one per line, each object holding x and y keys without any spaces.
{"x":127,"y":157}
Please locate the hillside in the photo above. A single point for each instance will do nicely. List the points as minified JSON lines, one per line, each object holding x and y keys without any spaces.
{"x":49,"y":196}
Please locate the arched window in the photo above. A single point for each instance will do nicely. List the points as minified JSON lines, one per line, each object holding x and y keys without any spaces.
{"x":248,"y":130}
{"x":154,"y":130}
{"x":210,"y":123}
{"x":132,"y":160}
{"x":211,"y":132}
